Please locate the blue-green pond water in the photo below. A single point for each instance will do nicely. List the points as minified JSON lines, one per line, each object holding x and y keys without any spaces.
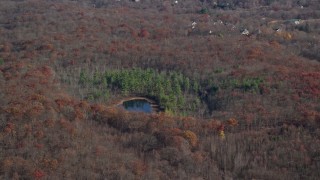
{"x":138,"y":105}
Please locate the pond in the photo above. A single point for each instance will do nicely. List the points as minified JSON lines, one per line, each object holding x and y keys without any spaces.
{"x":138,"y":105}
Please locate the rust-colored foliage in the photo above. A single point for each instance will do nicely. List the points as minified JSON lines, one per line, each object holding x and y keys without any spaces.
{"x":37,"y":97}
{"x":139,"y":167}
{"x":79,"y":114}
{"x":255,"y":53}
{"x":28,"y":130}
{"x":310,"y":84}
{"x":189,"y":123}
{"x":38,"y":146}
{"x":198,"y":157}
{"x":99,"y":150}
{"x":162,"y":33}
{"x":16,"y":110}
{"x":6,"y":47}
{"x":35,"y":110}
{"x":98,"y":108}
{"x":43,"y":74}
{"x":67,"y":125}
{"x":220,"y":127}
{"x":84,"y":105}
{"x":10,"y":162}
{"x":212,"y":125}
{"x":49,"y":123}
{"x":274,"y":44}
{"x":20,"y":145}
{"x":310,"y":115}
{"x":59,"y":37}
{"x":232,"y":122}
{"x":47,"y":47}
{"x":64,"y":100}
{"x":177,"y":141}
{"x":38,"y":174}
{"x":29,"y":54}
{"x":9,"y":128}
{"x":39,"y":134}
{"x":44,"y":45}
{"x":144,"y":33}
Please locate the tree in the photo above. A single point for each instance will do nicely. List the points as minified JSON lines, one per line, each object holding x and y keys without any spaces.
{"x":83,"y":79}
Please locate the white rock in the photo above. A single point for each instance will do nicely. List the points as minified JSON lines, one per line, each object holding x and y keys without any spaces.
{"x":193,"y":24}
{"x":245,"y":32}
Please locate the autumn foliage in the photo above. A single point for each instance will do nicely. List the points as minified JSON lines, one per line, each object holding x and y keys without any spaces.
{"x":231,"y":106}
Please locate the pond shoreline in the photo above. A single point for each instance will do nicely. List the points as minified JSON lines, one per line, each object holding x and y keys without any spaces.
{"x":155,"y":107}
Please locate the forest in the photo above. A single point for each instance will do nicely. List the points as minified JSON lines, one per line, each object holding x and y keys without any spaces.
{"x":237,"y":83}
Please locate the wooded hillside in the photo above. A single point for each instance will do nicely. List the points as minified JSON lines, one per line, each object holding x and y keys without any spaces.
{"x":238,"y":83}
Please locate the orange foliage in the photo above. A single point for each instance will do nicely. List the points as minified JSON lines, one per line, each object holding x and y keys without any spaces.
{"x":64,"y":101}
{"x":59,"y":37}
{"x":47,"y":46}
{"x":84,"y":105}
{"x":79,"y":115}
{"x":255,"y":53}
{"x":43,"y":74}
{"x":232,"y":122}
{"x":191,"y":137}
{"x":96,"y":108}
{"x":47,"y":71}
{"x":51,"y":164}
{"x":36,"y":109}
{"x":65,"y":124}
{"x":212,"y":124}
{"x":37,"y":97}
{"x":275,"y":44}
{"x":6,"y":47}
{"x":284,"y":35}
{"x":16,"y":110}
{"x":173,"y":131}
{"x":176,"y":131}
{"x":189,"y":122}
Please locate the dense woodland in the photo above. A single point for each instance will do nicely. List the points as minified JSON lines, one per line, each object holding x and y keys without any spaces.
{"x":238,"y":83}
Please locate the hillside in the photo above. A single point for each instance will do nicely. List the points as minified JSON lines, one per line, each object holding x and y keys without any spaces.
{"x":238,"y":83}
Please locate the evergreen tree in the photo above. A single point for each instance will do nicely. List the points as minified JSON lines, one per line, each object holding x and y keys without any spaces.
{"x":83,"y":78}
